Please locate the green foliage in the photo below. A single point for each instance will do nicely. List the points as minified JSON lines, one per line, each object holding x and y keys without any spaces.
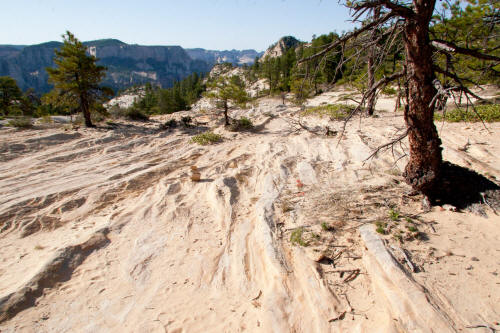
{"x":487,"y":112}
{"x":172,"y":123}
{"x":412,"y":228}
{"x":296,"y":237}
{"x":398,"y":236}
{"x":228,"y":89}
{"x":77,"y":78}
{"x":387,"y":90}
{"x":326,"y":227}
{"x":381,"y":227}
{"x":170,"y":100}
{"x":334,"y":111}
{"x":136,"y":114}
{"x":394,"y":215}
{"x":186,"y":121}
{"x":131,"y":113}
{"x":470,"y":24}
{"x":55,"y":103}
{"x":242,"y":124}
{"x":206,"y":138}
{"x":9,"y":94}
{"x":21,"y":122}
{"x":284,"y":75}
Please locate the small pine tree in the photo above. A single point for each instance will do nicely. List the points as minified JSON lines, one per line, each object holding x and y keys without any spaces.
{"x":76,"y":76}
{"x":227,"y":90}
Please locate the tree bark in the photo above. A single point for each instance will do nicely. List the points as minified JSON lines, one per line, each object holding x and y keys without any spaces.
{"x":424,"y":168}
{"x":226,"y":117}
{"x":371,"y":66}
{"x":370,"y":105}
{"x":84,"y":104}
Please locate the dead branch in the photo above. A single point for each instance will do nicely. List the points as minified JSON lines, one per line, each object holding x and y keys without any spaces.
{"x":389,"y":144}
{"x":396,"y":9}
{"x":451,"y":47}
{"x":492,"y":330}
{"x":352,"y":276}
{"x":339,"y":317}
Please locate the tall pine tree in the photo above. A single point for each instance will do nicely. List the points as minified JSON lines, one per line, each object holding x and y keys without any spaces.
{"x":76,"y":76}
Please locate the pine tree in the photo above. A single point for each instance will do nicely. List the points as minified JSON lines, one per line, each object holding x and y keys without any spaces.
{"x":9,"y":93}
{"x":227,"y":90}
{"x":76,"y":76}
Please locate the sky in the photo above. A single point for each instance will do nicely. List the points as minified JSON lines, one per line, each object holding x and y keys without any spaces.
{"x":209,"y":24}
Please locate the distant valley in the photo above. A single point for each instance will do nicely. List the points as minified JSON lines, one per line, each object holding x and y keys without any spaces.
{"x":127,"y":64}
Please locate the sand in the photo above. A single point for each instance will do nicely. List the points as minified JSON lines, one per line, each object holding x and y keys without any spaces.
{"x":108,"y":227}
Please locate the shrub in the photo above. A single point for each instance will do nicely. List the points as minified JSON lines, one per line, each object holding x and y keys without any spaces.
{"x":46,"y":119}
{"x":21,"y":122}
{"x":334,"y":111}
{"x":381,"y":227}
{"x":488,"y":112}
{"x":242,"y":124}
{"x":296,"y":237}
{"x":186,"y":121}
{"x":136,"y":114}
{"x":389,"y":91}
{"x":394,"y":214}
{"x":206,"y":138}
{"x":326,"y":227}
{"x":172,"y":123}
{"x":412,"y":228}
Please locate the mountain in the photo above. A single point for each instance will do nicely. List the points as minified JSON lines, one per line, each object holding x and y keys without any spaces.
{"x":233,"y":56}
{"x":281,"y":46}
{"x":127,"y":64}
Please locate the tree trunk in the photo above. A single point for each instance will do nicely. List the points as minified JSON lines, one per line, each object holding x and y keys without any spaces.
{"x":424,"y":168}
{"x":371,"y":66}
{"x":371,"y":81}
{"x":84,"y":104}
{"x":226,"y":117}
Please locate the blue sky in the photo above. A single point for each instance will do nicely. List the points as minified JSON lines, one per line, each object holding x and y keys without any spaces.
{"x":210,"y":24}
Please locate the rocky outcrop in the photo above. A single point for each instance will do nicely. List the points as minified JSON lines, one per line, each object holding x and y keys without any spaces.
{"x":281,"y":46}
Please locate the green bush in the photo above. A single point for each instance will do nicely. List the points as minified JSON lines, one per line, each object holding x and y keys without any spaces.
{"x":296,"y":237}
{"x":334,"y":111}
{"x":389,"y":91}
{"x":132,"y":113}
{"x":21,"y":122}
{"x":136,"y":114}
{"x":186,"y":121}
{"x":394,"y":215}
{"x":326,"y":227}
{"x":206,"y":138}
{"x":488,"y":112}
{"x":172,"y":123}
{"x":381,"y":227}
{"x":46,"y":119}
{"x":242,"y":124}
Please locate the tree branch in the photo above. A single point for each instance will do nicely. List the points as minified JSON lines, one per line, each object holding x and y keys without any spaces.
{"x":451,"y":47}
{"x":393,"y":142}
{"x":348,"y":36}
{"x":395,"y":8}
{"x":458,"y":80}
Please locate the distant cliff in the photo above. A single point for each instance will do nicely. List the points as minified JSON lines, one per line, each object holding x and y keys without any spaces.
{"x":127,"y":65}
{"x":217,"y":57}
